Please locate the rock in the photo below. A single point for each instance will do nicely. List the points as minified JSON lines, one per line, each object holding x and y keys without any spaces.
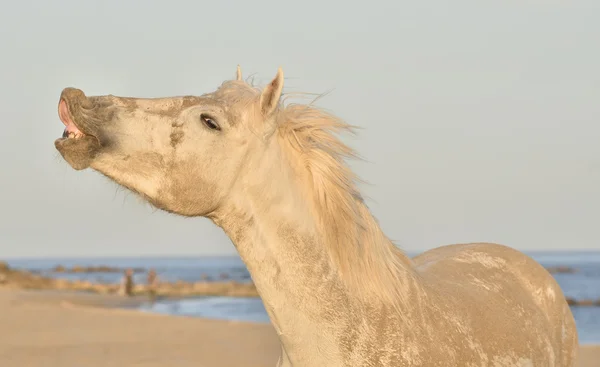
{"x":583,"y":302}
{"x":78,"y":269}
{"x":561,"y":270}
{"x":4,"y":268}
{"x":59,"y":269}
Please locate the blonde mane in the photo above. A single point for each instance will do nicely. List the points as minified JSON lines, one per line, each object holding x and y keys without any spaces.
{"x":367,"y":261}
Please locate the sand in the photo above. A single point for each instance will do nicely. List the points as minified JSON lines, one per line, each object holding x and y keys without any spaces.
{"x":50,"y":329}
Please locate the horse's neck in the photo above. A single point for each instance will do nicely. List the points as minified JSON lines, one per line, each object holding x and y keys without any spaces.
{"x":276,"y":233}
{"x":306,"y":299}
{"x":290,"y":268}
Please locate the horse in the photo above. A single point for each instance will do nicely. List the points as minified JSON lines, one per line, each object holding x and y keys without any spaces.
{"x":338,"y":292}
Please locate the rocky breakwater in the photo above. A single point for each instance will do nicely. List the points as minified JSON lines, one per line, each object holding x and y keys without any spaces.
{"x":22,"y":279}
{"x":93,"y":269}
{"x":13,"y":278}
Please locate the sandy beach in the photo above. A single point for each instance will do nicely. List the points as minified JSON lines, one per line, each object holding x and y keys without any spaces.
{"x":71,"y":329}
{"x":49,"y":329}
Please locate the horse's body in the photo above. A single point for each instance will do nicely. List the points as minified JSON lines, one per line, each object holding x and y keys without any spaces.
{"x":338,"y":292}
{"x":467,"y":305}
{"x":501,"y":307}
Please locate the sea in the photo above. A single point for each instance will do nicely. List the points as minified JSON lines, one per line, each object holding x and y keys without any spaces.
{"x":582,"y":284}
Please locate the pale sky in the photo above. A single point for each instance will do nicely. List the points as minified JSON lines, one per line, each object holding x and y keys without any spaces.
{"x":481,"y":120}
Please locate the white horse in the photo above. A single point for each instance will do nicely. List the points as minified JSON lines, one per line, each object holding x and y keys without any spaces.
{"x":337,"y":291}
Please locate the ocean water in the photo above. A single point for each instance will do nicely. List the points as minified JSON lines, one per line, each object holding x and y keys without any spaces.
{"x":583,"y":284}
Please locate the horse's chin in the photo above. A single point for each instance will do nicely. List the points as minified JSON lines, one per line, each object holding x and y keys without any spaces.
{"x":79,"y":152}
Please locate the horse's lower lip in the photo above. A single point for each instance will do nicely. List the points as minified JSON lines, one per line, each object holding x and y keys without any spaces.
{"x":78,"y":152}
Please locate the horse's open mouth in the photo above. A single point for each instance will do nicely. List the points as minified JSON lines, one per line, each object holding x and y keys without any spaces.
{"x":71,"y":130}
{"x":76,"y":146}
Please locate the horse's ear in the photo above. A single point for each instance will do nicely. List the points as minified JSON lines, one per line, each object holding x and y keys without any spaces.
{"x":238,"y":74}
{"x":269,"y":97}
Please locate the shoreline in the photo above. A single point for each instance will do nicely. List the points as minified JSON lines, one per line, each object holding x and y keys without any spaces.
{"x":115,"y":302}
{"x":20,"y":278}
{"x":56,"y":328}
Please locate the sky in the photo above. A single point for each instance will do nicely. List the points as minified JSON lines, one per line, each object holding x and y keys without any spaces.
{"x":479,"y":120}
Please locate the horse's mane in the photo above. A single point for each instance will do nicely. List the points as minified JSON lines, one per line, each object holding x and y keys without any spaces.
{"x":366,"y":259}
{"x":368,"y":262}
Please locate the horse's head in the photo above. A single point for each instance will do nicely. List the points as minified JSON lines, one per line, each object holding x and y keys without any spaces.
{"x":183,"y":154}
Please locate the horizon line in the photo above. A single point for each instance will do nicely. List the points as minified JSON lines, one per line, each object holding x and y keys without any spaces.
{"x":193,"y":255}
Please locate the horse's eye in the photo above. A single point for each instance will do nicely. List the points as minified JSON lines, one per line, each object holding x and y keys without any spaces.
{"x":209,"y":122}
